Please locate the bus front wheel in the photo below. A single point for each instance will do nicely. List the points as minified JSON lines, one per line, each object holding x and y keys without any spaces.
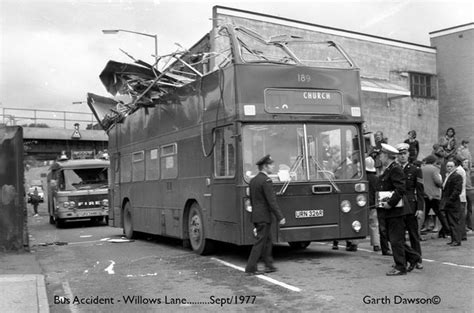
{"x":299,"y":245}
{"x":127,"y":222}
{"x":197,"y":233}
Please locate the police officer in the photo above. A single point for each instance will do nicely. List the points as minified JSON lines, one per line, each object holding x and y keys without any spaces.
{"x":393,"y":179}
{"x":414,"y":193}
{"x":264,"y":203}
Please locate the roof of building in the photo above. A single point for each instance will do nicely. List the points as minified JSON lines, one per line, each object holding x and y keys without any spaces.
{"x":451,"y":30}
{"x":324,"y":29}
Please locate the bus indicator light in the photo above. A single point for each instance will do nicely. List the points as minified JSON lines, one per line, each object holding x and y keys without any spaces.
{"x":247,"y":205}
{"x":360,"y":187}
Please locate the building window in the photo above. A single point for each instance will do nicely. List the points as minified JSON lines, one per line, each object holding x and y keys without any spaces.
{"x":225,"y":152}
{"x":422,"y":85}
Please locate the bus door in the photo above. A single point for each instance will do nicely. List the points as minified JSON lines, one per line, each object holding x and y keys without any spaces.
{"x":223,"y":189}
{"x":114,"y":191}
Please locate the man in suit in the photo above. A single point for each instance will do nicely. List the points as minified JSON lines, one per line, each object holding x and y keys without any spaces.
{"x":393,"y":179}
{"x":416,"y":202}
{"x":450,"y":202}
{"x":264,"y":204}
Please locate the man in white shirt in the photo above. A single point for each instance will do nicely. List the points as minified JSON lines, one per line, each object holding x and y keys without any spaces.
{"x":460,"y":170}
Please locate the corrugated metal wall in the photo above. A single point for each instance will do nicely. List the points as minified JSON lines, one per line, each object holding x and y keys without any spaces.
{"x":13,"y":220}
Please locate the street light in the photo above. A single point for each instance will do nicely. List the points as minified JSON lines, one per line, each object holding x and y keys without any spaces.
{"x":115,"y":31}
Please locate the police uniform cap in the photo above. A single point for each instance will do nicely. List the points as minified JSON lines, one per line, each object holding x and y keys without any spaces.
{"x":386,"y":148}
{"x":402,"y":147}
{"x":370,"y":164}
{"x":265,"y":160}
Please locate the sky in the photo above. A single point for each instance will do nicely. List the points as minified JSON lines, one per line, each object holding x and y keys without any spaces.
{"x":52,"y":52}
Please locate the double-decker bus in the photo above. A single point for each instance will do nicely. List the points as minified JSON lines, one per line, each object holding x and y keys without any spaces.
{"x":78,"y":189}
{"x":183,"y":151}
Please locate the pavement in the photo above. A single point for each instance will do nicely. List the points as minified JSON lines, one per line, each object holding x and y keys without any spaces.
{"x":22,"y":286}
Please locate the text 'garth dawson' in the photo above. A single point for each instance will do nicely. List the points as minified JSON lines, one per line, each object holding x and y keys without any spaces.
{"x":401,"y":300}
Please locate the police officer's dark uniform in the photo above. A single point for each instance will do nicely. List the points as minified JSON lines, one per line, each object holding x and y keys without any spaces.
{"x":393,"y":179}
{"x":264,"y":203}
{"x":416,"y":202}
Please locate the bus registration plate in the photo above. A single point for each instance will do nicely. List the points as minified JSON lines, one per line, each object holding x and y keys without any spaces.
{"x":309,"y":213}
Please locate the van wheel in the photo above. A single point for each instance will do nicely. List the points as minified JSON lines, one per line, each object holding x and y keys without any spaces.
{"x":51,"y":220}
{"x":127,"y":222}
{"x":59,"y":222}
{"x":197,"y":232}
{"x":299,"y":245}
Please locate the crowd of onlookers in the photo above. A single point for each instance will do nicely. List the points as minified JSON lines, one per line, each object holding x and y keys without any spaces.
{"x":446,"y":187}
{"x":444,"y":180}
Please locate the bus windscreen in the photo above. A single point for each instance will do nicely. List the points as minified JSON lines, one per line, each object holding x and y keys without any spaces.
{"x":303,"y":152}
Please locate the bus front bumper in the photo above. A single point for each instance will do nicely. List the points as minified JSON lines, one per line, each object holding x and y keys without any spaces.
{"x":313,"y":233}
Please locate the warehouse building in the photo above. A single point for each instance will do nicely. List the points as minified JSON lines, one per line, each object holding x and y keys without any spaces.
{"x":398,"y":79}
{"x":455,"y":70}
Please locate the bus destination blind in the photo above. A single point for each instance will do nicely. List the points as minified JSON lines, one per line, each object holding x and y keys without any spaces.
{"x":303,"y":101}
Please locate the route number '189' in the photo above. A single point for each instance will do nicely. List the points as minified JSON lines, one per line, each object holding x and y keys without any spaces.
{"x":304,"y":78}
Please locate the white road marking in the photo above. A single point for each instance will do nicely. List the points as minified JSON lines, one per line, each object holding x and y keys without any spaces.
{"x":142,"y":275}
{"x":457,"y":265}
{"x":110,"y":268}
{"x":85,"y":236}
{"x":427,"y":260}
{"x":68,"y":292}
{"x":270,"y":280}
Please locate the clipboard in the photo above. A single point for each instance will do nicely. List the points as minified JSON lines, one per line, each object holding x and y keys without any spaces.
{"x":382,"y":197}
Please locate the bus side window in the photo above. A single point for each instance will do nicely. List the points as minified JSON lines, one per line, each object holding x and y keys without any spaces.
{"x":60,"y":177}
{"x":169,"y":161}
{"x":152,"y":165}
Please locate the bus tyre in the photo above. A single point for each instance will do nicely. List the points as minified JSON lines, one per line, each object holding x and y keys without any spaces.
{"x":197,"y":233}
{"x":51,"y":220}
{"x":299,"y":245}
{"x":127,"y":221}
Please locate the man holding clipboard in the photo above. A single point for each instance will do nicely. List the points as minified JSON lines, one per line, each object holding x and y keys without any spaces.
{"x":391,"y":197}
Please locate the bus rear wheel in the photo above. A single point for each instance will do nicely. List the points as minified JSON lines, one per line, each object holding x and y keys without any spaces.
{"x":197,"y":233}
{"x":299,"y":245}
{"x":128,"y":222}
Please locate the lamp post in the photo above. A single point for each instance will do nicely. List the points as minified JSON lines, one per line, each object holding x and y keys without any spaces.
{"x":115,"y":31}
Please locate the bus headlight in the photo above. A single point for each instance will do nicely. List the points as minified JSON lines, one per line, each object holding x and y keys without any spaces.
{"x":105,"y":202}
{"x":247,"y":205}
{"x":361,"y":200}
{"x":356,"y":226}
{"x":66,"y":205}
{"x":345,"y":206}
